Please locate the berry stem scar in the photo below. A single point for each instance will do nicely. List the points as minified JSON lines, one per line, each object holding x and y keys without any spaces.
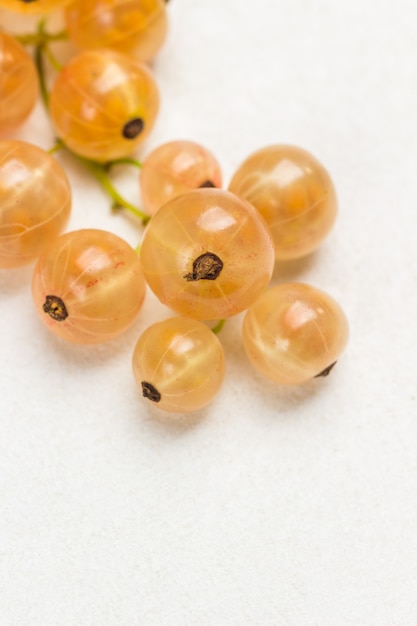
{"x":205,"y":267}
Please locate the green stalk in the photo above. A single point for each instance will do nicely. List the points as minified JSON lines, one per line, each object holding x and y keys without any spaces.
{"x":216,"y":329}
{"x":124,"y":161}
{"x":38,"y":38}
{"x":41,"y":40}
{"x":40,"y":68}
{"x":100,"y":173}
{"x":58,"y":146}
{"x":40,"y":65}
{"x":51,"y":58}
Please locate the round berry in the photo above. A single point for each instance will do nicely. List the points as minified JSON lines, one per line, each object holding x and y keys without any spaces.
{"x":35,"y":202}
{"x":207,"y":254}
{"x":294,"y":332}
{"x":137,"y":27}
{"x":178,"y":365}
{"x":18,"y":84}
{"x":175,"y":168}
{"x":103,"y":104}
{"x":293,"y":192}
{"x":88,"y":286}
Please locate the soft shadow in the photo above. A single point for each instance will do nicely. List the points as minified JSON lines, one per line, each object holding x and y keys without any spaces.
{"x":15,"y":280}
{"x":96,"y":355}
{"x":176,"y":423}
{"x":135,"y":221}
{"x":293,"y":271}
{"x":285,"y":400}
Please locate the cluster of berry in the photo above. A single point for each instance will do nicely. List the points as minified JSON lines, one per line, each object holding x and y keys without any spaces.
{"x":208,"y":254}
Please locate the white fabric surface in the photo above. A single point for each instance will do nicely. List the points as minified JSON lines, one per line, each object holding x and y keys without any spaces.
{"x":273,"y":507}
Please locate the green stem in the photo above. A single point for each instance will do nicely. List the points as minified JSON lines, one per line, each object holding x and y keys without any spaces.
{"x":124,"y":161}
{"x":41,"y":40}
{"x":58,"y":146}
{"x":40,"y":67}
{"x":51,"y":57}
{"x":35,"y":39}
{"x":216,"y":329}
{"x":99,"y":172}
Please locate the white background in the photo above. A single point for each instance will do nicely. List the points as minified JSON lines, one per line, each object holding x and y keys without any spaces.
{"x":275,"y":506}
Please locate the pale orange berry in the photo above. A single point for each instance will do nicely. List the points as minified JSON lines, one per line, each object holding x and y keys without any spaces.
{"x":175,"y":168}
{"x":35,"y":202}
{"x":294,"y":332}
{"x":179,"y":365}
{"x":88,"y":286}
{"x":18,"y":83}
{"x":207,"y":254}
{"x":293,"y":192}
{"x":138,"y":27}
{"x":103,"y":104}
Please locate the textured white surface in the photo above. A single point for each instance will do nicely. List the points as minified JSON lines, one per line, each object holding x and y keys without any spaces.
{"x":274,"y":507}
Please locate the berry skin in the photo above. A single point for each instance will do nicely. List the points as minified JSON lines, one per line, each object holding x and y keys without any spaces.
{"x":207,"y":254}
{"x":137,"y":27}
{"x":179,"y":365}
{"x":35,"y":202}
{"x":18,"y":83}
{"x":293,"y":192}
{"x":31,"y":7}
{"x":175,"y":168}
{"x":103,"y":104}
{"x":88,"y":287}
{"x":294,"y":332}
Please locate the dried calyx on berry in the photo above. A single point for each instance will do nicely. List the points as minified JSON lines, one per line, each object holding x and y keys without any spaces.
{"x":205,"y":267}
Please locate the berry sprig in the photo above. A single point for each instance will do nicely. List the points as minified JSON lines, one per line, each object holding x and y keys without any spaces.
{"x":208,"y":254}
{"x":132,"y":130}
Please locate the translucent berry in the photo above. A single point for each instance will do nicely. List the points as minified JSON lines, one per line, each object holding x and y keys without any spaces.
{"x":88,"y":286}
{"x":294,"y":332}
{"x":175,"y":168}
{"x":18,"y":83}
{"x":293,"y":192}
{"x":35,"y":202}
{"x":178,"y":365}
{"x":136,"y":27}
{"x":103,"y":104}
{"x":207,"y":254}
{"x":33,"y":6}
